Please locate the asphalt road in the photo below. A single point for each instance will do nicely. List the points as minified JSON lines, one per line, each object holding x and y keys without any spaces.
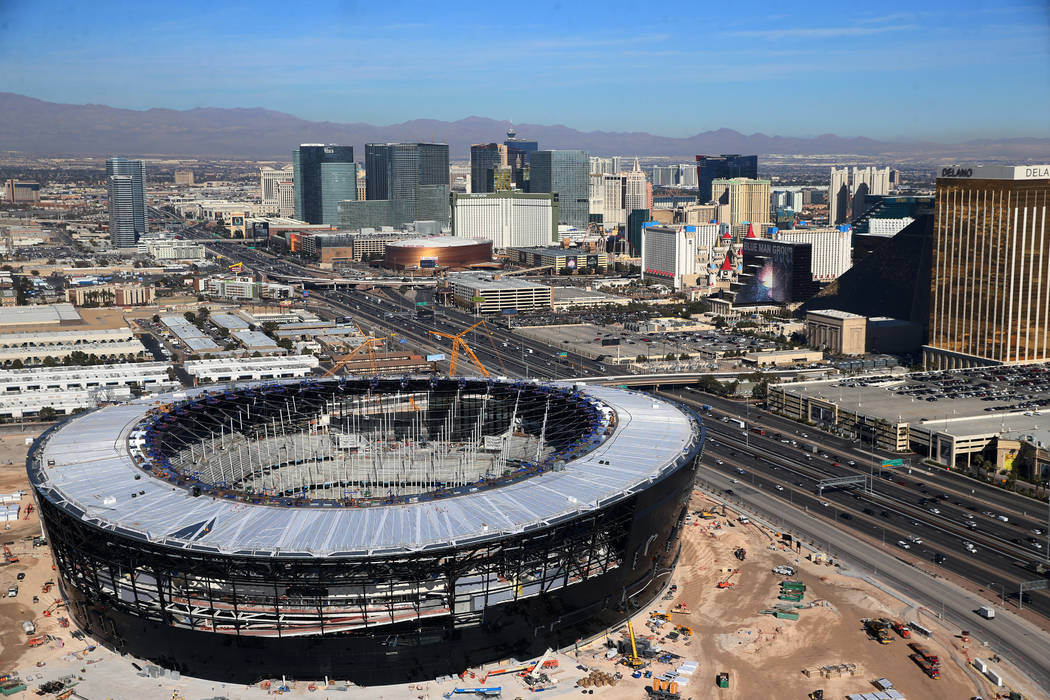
{"x":889,"y":513}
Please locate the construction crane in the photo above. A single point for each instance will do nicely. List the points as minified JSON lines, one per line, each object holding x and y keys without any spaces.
{"x":633,"y":660}
{"x":459,"y":344}
{"x":367,"y":345}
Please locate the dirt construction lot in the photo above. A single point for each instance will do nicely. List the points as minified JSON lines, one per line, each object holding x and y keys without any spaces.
{"x":764,"y":656}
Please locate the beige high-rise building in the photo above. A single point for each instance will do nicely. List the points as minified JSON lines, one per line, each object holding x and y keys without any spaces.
{"x":867,"y":181}
{"x":838,"y":196}
{"x":183,"y":177}
{"x":268,"y":179}
{"x":748,"y":200}
{"x":990,"y":289}
{"x":286,"y":197}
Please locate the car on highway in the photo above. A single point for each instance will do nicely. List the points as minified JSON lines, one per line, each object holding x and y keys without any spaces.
{"x":740,"y":471}
{"x":825,"y":504}
{"x":845,"y":516}
{"x":935,"y":511}
{"x":903,"y":545}
{"x":914,"y":539}
{"x":778,"y":487}
{"x":939,"y":558}
{"x":851,"y":463}
{"x":720,"y":461}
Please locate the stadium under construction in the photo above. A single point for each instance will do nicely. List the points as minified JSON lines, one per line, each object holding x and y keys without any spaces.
{"x":379,"y":530}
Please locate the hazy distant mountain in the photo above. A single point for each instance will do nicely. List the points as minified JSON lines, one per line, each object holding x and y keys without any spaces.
{"x":37,"y":127}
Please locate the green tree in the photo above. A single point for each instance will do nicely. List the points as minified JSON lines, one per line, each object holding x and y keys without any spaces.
{"x":190,"y":316}
{"x":156,"y":318}
{"x":285,"y":343}
{"x":47,"y":413}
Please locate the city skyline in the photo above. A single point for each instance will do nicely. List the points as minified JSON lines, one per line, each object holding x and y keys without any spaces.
{"x":940,"y":73}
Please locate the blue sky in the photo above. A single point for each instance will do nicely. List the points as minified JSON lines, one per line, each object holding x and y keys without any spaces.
{"x":939,"y":70}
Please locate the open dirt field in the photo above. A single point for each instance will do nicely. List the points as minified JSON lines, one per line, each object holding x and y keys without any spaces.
{"x":764,"y":656}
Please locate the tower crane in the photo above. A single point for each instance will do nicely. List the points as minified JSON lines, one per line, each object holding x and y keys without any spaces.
{"x":459,"y":344}
{"x":367,"y":345}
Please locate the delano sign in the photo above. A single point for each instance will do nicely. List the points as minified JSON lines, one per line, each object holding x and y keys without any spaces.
{"x":996,"y":172}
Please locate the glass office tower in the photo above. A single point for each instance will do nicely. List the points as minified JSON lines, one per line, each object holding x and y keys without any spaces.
{"x":130,"y":201}
{"x":324,"y":176}
{"x":567,"y":174}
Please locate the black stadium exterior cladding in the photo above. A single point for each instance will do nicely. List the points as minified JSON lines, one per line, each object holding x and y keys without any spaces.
{"x":408,"y":611}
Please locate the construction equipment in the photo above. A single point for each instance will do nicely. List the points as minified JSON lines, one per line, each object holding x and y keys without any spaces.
{"x":53,"y":607}
{"x":459,"y":344}
{"x":659,"y":615}
{"x":726,"y":582}
{"x":684,"y":630}
{"x":924,"y":651}
{"x":722,"y":680}
{"x":740,"y":553}
{"x":633,"y":661}
{"x":877,"y":629}
{"x":37,"y":640}
{"x":29,"y":509}
{"x":367,"y":345}
{"x":236,"y":267}
{"x":929,"y":669}
{"x":11,"y":558}
{"x":901,"y":629}
{"x":534,"y":672}
{"x":46,"y":588}
{"x":493,"y":692}
{"x":816,"y":695}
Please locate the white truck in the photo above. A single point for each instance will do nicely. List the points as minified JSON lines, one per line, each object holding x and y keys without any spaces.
{"x":28,"y":627}
{"x":986,"y":612}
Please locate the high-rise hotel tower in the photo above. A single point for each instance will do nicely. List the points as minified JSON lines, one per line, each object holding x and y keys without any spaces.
{"x":990,"y":296}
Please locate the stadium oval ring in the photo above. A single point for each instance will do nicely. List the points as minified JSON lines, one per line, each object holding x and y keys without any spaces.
{"x":380,"y":529}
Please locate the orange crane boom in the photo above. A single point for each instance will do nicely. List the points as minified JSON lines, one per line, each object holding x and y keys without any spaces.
{"x":367,"y":345}
{"x":459,"y":344}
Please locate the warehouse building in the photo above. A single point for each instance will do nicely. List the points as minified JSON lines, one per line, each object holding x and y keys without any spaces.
{"x":24,"y":392}
{"x":250,"y":368}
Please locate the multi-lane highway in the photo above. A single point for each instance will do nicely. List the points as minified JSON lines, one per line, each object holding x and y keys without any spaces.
{"x":940,"y":519}
{"x":933,"y":533}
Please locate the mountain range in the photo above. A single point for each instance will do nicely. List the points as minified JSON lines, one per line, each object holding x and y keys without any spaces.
{"x":39,"y":128}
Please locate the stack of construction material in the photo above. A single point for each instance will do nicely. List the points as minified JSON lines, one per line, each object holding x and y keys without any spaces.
{"x":596,"y":679}
{"x":839,"y":670}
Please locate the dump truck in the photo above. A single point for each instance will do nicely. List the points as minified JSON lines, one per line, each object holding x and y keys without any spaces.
{"x":29,"y":628}
{"x":901,"y":629}
{"x":924,"y":651}
{"x":929,"y":669}
{"x":793,"y":585}
{"x":722,"y":680}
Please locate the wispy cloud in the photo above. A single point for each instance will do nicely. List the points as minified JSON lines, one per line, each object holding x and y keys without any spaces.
{"x":821,"y":32}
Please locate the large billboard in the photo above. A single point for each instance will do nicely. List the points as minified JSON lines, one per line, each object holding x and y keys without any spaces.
{"x":768,"y":273}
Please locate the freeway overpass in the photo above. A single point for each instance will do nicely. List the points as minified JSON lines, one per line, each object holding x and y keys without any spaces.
{"x":683,"y":378}
{"x":329,"y":283}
